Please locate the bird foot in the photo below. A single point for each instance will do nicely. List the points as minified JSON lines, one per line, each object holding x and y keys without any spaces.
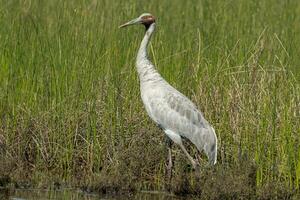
{"x":169,"y":170}
{"x":168,"y":177}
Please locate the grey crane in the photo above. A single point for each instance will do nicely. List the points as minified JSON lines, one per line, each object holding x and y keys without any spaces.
{"x":173,"y":112}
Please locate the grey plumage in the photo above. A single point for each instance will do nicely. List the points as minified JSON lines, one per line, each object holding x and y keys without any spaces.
{"x":176,"y":113}
{"x":169,"y":108}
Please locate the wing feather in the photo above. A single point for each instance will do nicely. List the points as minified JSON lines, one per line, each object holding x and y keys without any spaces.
{"x":172,"y":110}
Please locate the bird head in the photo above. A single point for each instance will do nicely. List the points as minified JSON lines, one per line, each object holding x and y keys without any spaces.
{"x":146,"y":19}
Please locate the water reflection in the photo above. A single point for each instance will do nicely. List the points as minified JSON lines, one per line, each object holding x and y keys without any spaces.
{"x":77,"y":195}
{"x":47,"y":195}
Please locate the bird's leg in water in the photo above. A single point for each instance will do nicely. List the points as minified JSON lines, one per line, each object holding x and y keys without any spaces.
{"x":170,"y":163}
{"x":188,"y":155}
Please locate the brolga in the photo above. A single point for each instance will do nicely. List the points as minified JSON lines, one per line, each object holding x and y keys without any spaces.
{"x":173,"y":112}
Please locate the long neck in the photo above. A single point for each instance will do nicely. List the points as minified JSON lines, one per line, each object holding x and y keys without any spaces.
{"x":145,"y":68}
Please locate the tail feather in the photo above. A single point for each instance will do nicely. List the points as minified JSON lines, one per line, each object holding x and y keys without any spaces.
{"x":215,"y":150}
{"x":211,"y":148}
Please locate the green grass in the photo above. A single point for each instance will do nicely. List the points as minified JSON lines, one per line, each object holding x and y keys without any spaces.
{"x":69,"y":92}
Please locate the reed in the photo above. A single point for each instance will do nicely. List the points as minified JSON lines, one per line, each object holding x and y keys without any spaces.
{"x":69,"y":93}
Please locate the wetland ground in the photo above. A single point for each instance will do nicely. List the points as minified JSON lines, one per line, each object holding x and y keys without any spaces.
{"x":70,"y":109}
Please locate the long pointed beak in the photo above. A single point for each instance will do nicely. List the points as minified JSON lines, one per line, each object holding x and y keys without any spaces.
{"x":132,"y":22}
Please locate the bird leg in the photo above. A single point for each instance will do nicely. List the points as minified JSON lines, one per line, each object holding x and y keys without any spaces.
{"x":170,"y":163}
{"x":188,"y":155}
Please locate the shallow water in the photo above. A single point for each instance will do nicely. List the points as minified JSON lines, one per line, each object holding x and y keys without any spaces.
{"x":78,"y":195}
{"x":50,"y":194}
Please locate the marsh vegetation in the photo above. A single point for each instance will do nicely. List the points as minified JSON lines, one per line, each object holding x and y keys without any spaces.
{"x":71,"y":114}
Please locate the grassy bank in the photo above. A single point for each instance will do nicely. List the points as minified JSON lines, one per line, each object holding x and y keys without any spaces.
{"x":70,"y":110}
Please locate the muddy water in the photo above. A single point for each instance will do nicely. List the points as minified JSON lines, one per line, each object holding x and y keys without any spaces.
{"x":77,"y":195}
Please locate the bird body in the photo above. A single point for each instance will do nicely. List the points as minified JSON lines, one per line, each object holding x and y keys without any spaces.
{"x":170,"y":109}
